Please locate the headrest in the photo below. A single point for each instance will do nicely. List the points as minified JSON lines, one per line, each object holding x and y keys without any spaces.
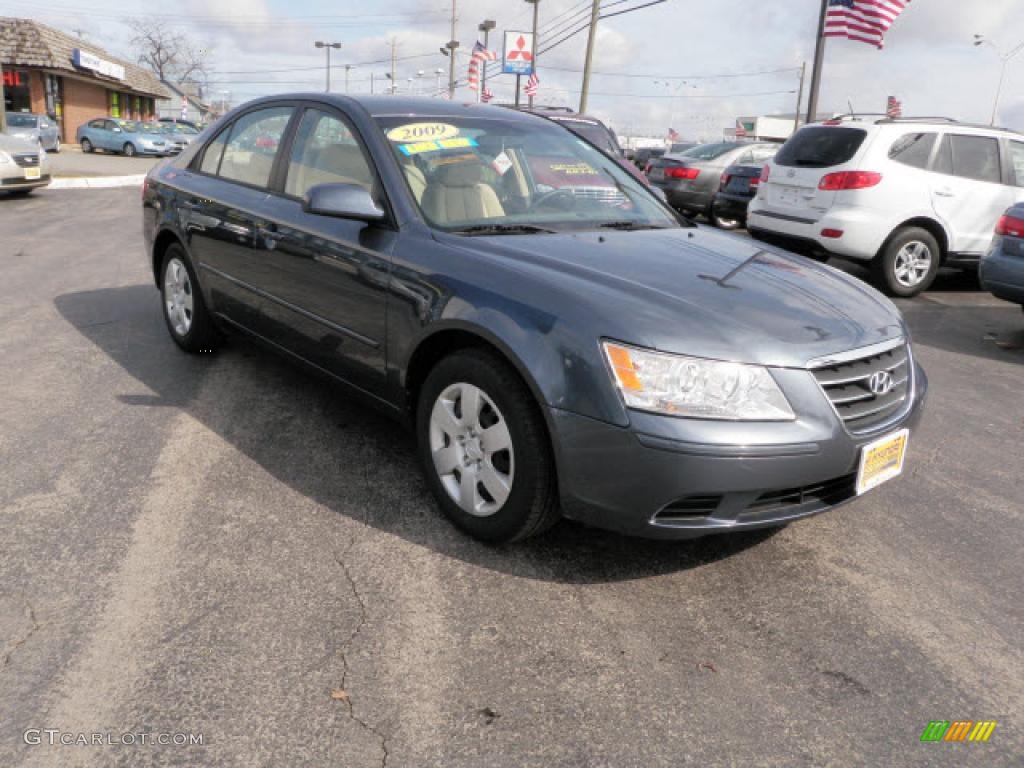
{"x":464,"y":174}
{"x":342,"y":157}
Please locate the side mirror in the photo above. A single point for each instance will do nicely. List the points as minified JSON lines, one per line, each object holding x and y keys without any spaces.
{"x":345,"y":201}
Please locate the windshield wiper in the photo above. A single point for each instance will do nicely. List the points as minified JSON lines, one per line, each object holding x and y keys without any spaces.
{"x":503,"y":229}
{"x":627,"y":224}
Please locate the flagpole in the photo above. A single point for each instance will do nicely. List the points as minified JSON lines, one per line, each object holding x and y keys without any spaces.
{"x":819,"y":60}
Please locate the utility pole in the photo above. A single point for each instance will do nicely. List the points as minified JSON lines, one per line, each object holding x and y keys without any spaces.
{"x":819,"y":60}
{"x":536,"y":6}
{"x":451,"y":46}
{"x":594,"y":13}
{"x":394,"y":47}
{"x":347,"y":68}
{"x":327,"y":47}
{"x":371,"y":83}
{"x":1005,"y":57}
{"x":799,"y":98}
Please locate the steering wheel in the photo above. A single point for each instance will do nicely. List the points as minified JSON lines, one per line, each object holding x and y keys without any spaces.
{"x":565,"y":196}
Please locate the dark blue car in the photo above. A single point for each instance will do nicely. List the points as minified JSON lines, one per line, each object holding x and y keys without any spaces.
{"x":1002,"y":268}
{"x":560,"y":341}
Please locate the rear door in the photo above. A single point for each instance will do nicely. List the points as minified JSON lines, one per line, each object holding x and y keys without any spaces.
{"x":970,"y":189}
{"x":107,"y":137}
{"x":792,"y":187}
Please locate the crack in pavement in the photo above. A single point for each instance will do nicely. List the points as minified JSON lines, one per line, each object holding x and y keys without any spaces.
{"x":344,"y":657}
{"x":36,"y":626}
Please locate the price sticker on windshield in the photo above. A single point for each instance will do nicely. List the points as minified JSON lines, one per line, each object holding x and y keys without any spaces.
{"x":415,"y":132}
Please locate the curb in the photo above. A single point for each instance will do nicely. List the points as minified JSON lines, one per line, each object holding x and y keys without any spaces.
{"x":84,"y":182}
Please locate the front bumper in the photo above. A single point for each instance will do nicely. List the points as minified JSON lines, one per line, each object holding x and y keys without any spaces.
{"x":20,"y":182}
{"x":640,"y":483}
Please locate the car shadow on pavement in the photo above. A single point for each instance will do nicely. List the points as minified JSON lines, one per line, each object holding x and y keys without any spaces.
{"x":327,"y":445}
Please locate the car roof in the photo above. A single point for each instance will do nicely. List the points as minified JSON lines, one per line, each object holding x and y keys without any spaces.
{"x":398,"y":106}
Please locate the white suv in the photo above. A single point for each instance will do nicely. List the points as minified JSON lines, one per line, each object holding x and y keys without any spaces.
{"x":906,"y":194}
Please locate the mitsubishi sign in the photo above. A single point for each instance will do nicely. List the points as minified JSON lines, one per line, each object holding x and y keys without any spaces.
{"x":517,"y":56}
{"x":87,"y":60}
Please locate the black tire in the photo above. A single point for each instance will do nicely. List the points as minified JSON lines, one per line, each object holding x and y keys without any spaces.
{"x":201,"y":335}
{"x":724,"y":223}
{"x":87,"y":146}
{"x":56,"y":147}
{"x":21,"y":192}
{"x":893,"y":279}
{"x":128,"y":149}
{"x":532,"y":503}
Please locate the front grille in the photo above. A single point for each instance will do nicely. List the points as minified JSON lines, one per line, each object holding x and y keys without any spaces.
{"x":27,"y":160}
{"x":807,"y":498}
{"x":847,"y":386}
{"x":688,"y":507}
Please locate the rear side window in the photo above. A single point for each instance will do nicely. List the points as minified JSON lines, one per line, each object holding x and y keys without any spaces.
{"x":709,"y":151}
{"x":252,"y":147}
{"x":1017,"y":161}
{"x":971,"y":157}
{"x":213,"y":153}
{"x":913,"y":149}
{"x":821,"y":147}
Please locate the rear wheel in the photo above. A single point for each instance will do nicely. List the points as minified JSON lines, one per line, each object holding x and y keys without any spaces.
{"x":723,"y":222}
{"x":185,"y":313}
{"x":484,"y":448}
{"x":908,"y":263}
{"x":86,"y":146}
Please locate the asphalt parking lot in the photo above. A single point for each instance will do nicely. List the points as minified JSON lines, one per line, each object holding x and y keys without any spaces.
{"x":224,"y":545}
{"x":72,"y":162}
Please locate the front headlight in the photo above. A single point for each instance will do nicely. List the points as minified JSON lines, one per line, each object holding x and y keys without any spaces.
{"x":690,"y":386}
{"x":5,"y":158}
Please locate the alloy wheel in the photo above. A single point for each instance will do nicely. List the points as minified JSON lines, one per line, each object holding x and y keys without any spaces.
{"x":472,"y":449}
{"x":912,"y":263}
{"x":178,"y":299}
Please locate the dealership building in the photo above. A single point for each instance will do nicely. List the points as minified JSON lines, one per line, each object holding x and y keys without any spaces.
{"x":49,"y":72}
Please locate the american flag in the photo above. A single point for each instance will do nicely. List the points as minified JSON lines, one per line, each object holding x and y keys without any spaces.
{"x":894,"y":107}
{"x":532,"y":84}
{"x":865,"y":21}
{"x":486,"y":95}
{"x":741,"y":130}
{"x":482,"y":54}
{"x":473,"y":79}
{"x":673,"y":134}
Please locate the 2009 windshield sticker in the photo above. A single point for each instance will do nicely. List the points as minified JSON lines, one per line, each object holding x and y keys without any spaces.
{"x":417,"y":147}
{"x":416,"y":132}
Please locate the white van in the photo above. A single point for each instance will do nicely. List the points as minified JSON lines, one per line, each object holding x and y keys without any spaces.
{"x":907,"y":194}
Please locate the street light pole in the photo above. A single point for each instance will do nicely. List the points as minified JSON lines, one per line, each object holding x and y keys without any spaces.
{"x":595,"y":11}
{"x":347,"y":68}
{"x":1006,"y":57}
{"x":452,"y":45}
{"x":486,"y":26}
{"x":327,"y":47}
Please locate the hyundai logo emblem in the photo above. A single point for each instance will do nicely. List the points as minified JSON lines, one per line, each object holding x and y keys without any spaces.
{"x":880,"y":383}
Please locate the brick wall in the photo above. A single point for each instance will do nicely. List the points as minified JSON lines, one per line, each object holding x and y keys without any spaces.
{"x":37,"y":91}
{"x":82,"y":103}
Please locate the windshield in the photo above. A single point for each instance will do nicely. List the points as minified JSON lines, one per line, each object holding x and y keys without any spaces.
{"x":20,"y":121}
{"x":709,"y":151}
{"x":130,"y":126}
{"x":186,"y":129}
{"x":486,"y":174}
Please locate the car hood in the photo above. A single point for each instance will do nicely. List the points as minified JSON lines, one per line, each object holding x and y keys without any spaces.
{"x":700,"y":292}
{"x":10,"y":143}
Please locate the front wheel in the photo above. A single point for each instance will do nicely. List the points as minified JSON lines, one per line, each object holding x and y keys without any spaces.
{"x":56,"y":147}
{"x":129,"y":149}
{"x":484,"y":448}
{"x":185,"y":313}
{"x":908,"y":263}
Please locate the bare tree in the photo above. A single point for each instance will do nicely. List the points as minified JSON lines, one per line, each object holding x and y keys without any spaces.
{"x":166,"y":50}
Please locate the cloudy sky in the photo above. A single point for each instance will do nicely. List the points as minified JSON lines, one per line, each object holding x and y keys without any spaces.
{"x":694,"y":65}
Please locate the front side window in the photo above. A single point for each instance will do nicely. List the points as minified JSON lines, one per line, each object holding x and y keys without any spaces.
{"x":913,"y":149}
{"x":325,"y":152}
{"x":970,"y":157}
{"x":1017,"y":160}
{"x":251,"y":149}
{"x":478,"y":173}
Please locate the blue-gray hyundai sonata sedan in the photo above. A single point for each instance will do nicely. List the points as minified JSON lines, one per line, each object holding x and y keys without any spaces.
{"x":561,"y":342}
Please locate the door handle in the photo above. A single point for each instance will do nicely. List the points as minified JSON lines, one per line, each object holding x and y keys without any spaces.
{"x":945,"y":192}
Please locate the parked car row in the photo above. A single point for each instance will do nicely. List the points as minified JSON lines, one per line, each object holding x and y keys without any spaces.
{"x":133,"y":137}
{"x":38,"y":129}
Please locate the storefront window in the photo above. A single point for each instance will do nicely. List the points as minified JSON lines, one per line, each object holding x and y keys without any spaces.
{"x":54,"y":97}
{"x":115,"y":104}
{"x":16,"y":94}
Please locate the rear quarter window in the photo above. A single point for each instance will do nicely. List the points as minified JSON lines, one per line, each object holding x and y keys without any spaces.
{"x":821,"y":147}
{"x":913,"y":149}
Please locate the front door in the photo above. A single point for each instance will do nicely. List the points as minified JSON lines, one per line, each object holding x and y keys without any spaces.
{"x":968,"y":190}
{"x":325,"y":279}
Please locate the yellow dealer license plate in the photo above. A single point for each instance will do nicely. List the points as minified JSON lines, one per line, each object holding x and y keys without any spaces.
{"x":882,"y":460}
{"x":32,"y":173}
